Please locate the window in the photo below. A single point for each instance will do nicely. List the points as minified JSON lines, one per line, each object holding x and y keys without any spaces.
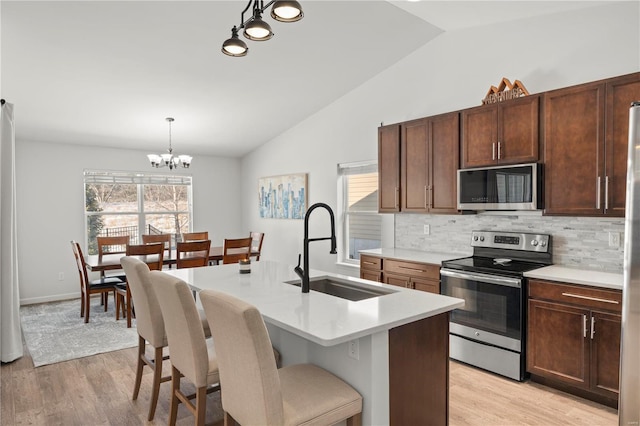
{"x":361,"y":223}
{"x":123,"y":203}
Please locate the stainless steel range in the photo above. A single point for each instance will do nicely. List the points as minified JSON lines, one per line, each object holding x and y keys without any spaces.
{"x":489,"y":332}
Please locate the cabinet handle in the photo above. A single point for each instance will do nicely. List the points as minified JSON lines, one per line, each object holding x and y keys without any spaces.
{"x":397,"y":195}
{"x":598,"y":193}
{"x":584,"y":321}
{"x":412,"y":269}
{"x":368,"y":263}
{"x":595,"y":299}
{"x":606,"y":193}
{"x":431,"y":196}
{"x":493,"y":151}
{"x":593,"y":327}
{"x":499,"y":154}
{"x":426,"y":197}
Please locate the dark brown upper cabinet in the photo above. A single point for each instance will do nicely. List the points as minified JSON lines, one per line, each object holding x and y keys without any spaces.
{"x":503,"y":133}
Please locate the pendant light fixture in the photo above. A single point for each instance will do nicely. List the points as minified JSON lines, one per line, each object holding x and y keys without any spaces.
{"x":255,"y":28}
{"x":168,"y":159}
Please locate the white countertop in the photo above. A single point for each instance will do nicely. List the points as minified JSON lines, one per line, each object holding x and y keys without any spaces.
{"x":434,"y":258}
{"x":320,"y":318}
{"x":578,"y":276}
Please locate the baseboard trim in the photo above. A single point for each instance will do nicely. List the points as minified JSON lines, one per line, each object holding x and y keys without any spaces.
{"x":45,"y":299}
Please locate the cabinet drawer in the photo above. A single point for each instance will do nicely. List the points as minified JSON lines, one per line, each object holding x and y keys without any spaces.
{"x":414,"y":269}
{"x":370,"y":262}
{"x":594,"y":298}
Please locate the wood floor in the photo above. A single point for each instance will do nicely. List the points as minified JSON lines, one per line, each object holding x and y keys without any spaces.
{"x":97,"y":391}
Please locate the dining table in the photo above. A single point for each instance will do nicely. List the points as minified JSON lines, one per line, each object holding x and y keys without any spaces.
{"x":111,"y":261}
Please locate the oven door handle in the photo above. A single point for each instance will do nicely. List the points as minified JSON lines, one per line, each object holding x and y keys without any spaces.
{"x":491,"y":279}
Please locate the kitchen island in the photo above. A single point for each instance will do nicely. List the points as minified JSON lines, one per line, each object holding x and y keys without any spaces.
{"x":393,"y":349}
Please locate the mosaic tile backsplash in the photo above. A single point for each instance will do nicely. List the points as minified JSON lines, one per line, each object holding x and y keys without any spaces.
{"x":580,"y":242}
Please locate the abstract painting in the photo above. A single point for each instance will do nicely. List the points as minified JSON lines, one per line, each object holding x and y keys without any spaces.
{"x":283,"y":197}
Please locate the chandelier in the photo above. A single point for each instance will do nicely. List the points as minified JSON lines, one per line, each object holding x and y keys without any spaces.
{"x":168,"y":159}
{"x":255,"y":28}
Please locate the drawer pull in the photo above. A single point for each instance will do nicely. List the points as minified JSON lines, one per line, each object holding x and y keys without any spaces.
{"x":369,"y":263}
{"x":595,"y":299}
{"x":411,"y":269}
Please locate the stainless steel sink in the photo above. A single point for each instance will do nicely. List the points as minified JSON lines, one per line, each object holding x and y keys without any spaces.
{"x":344,"y":289}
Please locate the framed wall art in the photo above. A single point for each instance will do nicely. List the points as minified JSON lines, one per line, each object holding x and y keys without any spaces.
{"x":283,"y":197}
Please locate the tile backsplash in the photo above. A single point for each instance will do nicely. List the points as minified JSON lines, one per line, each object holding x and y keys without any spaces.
{"x":581,"y":242}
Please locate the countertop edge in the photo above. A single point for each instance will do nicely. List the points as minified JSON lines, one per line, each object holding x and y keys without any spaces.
{"x":569,"y":275}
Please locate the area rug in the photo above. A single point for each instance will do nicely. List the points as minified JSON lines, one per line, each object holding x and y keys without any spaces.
{"x":56,"y":332}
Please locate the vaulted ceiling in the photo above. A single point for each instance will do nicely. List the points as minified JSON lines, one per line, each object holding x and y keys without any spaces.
{"x":107,"y":73}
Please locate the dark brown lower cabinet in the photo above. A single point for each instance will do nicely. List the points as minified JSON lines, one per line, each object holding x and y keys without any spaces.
{"x":573,"y":339}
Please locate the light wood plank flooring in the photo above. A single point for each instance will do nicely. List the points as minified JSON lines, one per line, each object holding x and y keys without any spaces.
{"x":97,"y":391}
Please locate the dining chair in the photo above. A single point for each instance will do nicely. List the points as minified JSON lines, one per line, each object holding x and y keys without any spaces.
{"x":150,"y":327}
{"x":255,"y":391}
{"x":192,"y":254}
{"x":112,"y":245}
{"x":101,"y":286}
{"x":256,"y":243}
{"x":152,"y":255}
{"x":157,"y":238}
{"x":195,"y":236}
{"x":191,"y":355}
{"x":236,"y":249}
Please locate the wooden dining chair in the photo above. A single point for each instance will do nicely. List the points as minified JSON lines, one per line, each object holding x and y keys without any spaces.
{"x":152,"y":255}
{"x":102,"y":286}
{"x":195,"y":236}
{"x":157,"y":238}
{"x":150,"y":327}
{"x":192,"y":254}
{"x":256,"y":243}
{"x":236,"y":249}
{"x":192,"y":356}
{"x":254,"y":390}
{"x":112,"y":245}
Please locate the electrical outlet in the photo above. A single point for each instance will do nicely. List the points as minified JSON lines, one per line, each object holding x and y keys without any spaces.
{"x":60,"y":276}
{"x":427,"y":229}
{"x":614,"y":239}
{"x":354,"y":349}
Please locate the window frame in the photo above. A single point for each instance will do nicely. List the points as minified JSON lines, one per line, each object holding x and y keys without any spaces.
{"x":140,"y":179}
{"x":345,"y":170}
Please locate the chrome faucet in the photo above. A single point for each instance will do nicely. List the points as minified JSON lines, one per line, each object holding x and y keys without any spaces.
{"x":304,"y":273}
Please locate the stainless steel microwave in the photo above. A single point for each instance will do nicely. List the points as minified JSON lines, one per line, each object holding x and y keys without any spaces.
{"x":514,"y":187}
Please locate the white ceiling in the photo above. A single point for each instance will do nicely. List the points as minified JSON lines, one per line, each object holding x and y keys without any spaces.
{"x":107,"y":73}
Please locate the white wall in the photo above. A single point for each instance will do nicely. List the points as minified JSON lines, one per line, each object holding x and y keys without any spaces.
{"x":452,"y":72}
{"x":51,"y":211}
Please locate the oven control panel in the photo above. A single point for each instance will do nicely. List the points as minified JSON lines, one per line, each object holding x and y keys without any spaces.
{"x":511,"y":240}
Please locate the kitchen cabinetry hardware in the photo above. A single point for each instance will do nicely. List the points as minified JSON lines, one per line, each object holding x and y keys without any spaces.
{"x":593,"y":326}
{"x":426,"y":197}
{"x":598,"y":193}
{"x":368,"y":263}
{"x":606,"y":193}
{"x":493,"y":151}
{"x":397,"y":197}
{"x":499,"y":156}
{"x":412,"y":269}
{"x":595,"y":299}
{"x":584,"y":325}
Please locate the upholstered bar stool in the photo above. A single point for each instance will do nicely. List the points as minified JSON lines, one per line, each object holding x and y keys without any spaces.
{"x":255,"y":391}
{"x":150,"y":326}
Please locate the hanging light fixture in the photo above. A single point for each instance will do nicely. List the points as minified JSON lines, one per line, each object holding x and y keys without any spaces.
{"x":168,"y":159}
{"x":255,"y":28}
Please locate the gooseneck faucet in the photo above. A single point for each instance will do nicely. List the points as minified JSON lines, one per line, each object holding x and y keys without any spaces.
{"x":304,"y":273}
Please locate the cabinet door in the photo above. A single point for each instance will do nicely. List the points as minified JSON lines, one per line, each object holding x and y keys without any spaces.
{"x":371,"y":275}
{"x":389,"y":168}
{"x":574,"y":150}
{"x":479,"y":136}
{"x":620,"y":93}
{"x":444,"y":149}
{"x":399,"y":280}
{"x":430,"y":286}
{"x":557,"y":342}
{"x":605,"y":353}
{"x":414,"y":166}
{"x":518,"y":135}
